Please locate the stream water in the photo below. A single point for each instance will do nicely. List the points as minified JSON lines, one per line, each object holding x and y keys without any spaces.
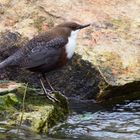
{"x":88,"y":122}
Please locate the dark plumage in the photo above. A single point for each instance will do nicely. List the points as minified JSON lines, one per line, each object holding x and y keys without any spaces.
{"x":45,"y":52}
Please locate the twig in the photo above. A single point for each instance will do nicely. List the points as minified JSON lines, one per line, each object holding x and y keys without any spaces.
{"x":102,"y":75}
{"x":23,"y":108}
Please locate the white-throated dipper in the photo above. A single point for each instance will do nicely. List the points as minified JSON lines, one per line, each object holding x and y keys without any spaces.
{"x":46,"y":52}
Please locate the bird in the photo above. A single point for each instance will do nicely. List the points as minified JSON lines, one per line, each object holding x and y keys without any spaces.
{"x":46,"y":52}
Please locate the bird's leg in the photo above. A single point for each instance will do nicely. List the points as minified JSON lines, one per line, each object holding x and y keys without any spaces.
{"x":47,"y":81}
{"x":50,"y":86}
{"x":45,"y":91}
{"x":50,"y":97}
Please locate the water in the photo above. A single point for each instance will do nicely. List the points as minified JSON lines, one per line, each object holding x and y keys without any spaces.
{"x":121,"y":122}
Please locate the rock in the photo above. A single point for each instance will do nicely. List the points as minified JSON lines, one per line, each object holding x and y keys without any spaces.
{"x":37,"y":113}
{"x":106,"y":66}
{"x":10,"y":42}
{"x":117,"y":59}
{"x":6,"y":87}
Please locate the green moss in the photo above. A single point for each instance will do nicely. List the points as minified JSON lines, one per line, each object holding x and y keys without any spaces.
{"x":9,"y":100}
{"x":39,"y":113}
{"x":59,"y":111}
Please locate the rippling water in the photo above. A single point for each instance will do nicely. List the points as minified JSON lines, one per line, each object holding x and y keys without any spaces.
{"x":120,"y":122}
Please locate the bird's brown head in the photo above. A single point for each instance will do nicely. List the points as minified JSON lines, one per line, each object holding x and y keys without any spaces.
{"x":73,"y":26}
{"x":69,"y":31}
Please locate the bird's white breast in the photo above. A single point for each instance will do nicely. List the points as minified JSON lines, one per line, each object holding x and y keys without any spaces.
{"x":71,"y":45}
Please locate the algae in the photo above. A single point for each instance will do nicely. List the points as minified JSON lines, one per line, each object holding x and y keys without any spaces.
{"x":39,"y":114}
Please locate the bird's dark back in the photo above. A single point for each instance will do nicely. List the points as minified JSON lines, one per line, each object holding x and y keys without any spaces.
{"x":20,"y":58}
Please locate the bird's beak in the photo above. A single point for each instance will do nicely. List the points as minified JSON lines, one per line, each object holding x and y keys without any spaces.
{"x":84,"y":26}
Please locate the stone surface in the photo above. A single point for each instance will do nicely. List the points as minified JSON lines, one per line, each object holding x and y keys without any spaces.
{"x":109,"y":48}
{"x":36,"y":112}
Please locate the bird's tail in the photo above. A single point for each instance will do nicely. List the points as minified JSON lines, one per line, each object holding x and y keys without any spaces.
{"x":7,"y":62}
{"x":12,"y":60}
{"x":3,"y":65}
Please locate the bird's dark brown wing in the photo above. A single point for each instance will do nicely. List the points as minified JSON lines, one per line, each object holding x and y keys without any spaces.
{"x":43,"y":53}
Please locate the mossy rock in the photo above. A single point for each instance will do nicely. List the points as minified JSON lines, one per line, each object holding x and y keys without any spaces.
{"x":37,"y":112}
{"x":114,"y":94}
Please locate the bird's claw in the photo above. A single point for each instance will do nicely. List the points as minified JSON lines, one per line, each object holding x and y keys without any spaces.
{"x":51,"y":97}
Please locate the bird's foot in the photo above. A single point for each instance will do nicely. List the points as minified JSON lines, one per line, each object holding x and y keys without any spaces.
{"x":49,"y":92}
{"x":50,"y":96}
